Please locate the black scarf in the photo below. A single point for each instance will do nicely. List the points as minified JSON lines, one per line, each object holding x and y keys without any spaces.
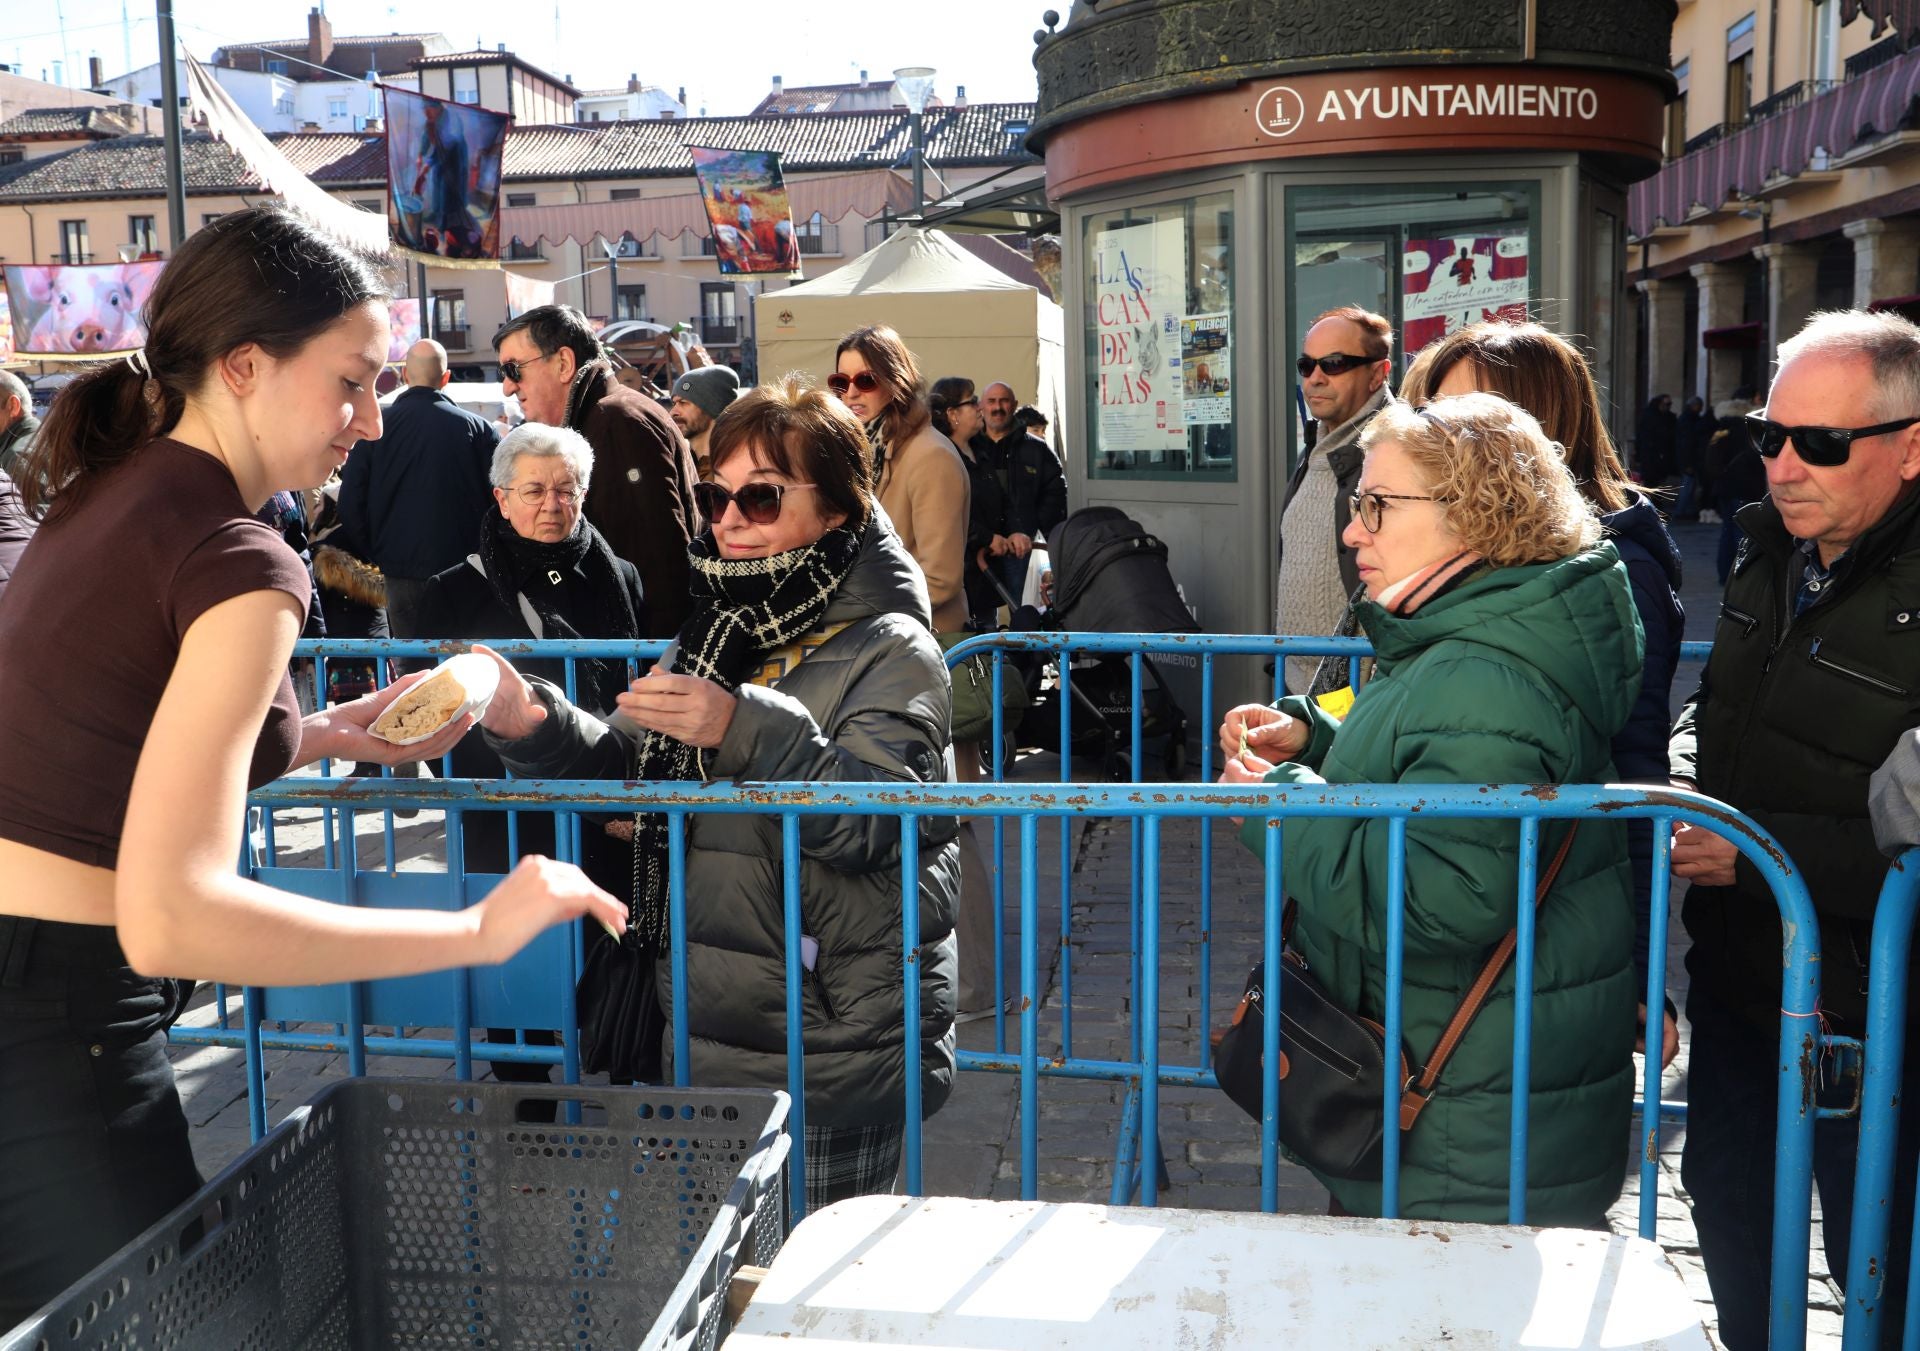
{"x":743,"y":609}
{"x":512,"y":560}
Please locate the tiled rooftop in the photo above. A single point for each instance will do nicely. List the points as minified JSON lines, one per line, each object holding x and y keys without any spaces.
{"x":134,"y":166}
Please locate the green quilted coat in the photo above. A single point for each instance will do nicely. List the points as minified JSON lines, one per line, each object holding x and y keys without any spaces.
{"x":1518,"y":675}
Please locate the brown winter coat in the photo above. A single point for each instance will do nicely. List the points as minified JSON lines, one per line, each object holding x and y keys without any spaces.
{"x":641,"y":493}
{"x":925,"y":491}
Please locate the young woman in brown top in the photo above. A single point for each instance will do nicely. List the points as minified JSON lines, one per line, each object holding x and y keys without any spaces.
{"x":144,"y":690}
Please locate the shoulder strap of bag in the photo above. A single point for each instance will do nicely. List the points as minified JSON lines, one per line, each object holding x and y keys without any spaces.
{"x":1419,"y":1089}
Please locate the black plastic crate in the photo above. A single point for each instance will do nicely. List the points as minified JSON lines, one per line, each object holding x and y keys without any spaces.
{"x":395,"y":1213}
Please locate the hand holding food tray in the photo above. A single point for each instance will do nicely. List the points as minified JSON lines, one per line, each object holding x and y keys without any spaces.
{"x":462,"y":685}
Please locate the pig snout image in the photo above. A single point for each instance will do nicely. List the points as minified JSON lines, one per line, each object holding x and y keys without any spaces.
{"x":95,"y":309}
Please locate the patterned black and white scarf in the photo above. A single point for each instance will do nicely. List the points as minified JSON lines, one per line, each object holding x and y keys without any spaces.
{"x":743,"y":609}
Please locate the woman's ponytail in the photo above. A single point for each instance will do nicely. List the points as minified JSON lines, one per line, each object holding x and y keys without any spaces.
{"x":99,"y":419}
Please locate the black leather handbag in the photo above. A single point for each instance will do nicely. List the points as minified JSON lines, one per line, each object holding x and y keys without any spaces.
{"x":1332,"y":1115}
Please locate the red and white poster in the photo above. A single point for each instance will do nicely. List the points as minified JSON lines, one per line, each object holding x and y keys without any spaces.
{"x":1448,"y":284}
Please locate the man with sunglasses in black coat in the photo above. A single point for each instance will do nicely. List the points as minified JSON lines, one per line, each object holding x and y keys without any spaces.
{"x":1345,"y":363}
{"x":1815,"y":674}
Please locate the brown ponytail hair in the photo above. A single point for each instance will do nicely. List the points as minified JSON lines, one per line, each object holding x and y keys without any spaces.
{"x":261,"y":276}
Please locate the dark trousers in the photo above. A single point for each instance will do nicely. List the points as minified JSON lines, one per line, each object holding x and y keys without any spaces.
{"x":1727,"y":1167}
{"x":93,"y":1142}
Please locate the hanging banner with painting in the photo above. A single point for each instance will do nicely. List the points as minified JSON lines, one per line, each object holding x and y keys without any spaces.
{"x":403,"y":327}
{"x":745,"y":194}
{"x":79,"y":313}
{"x":6,"y":329}
{"x":443,"y":178}
{"x":1449,"y":283}
{"x":1140,"y":292}
{"x":525,"y":293}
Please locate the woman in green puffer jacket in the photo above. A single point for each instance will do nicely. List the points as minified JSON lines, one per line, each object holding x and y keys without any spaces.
{"x":1508,"y":652}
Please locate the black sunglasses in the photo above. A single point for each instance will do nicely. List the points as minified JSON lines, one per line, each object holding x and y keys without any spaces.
{"x":515,"y":370}
{"x":1821,"y":446}
{"x":758,"y":502}
{"x":1334,"y":363}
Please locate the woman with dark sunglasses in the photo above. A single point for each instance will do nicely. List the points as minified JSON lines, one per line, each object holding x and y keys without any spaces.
{"x":810,"y":656}
{"x":920,"y":477}
{"x":1507,"y":654}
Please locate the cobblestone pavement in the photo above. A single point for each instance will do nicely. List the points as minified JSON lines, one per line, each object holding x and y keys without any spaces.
{"x":1211,"y":1151}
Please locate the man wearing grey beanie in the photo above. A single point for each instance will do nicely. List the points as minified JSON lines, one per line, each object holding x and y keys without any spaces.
{"x":699,"y":397}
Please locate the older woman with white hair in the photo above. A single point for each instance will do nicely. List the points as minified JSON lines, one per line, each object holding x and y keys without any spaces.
{"x":541,"y":570}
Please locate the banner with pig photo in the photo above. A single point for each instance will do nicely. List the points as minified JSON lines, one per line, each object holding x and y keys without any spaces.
{"x":79,"y":313}
{"x":746,"y":199}
{"x":443,"y":178}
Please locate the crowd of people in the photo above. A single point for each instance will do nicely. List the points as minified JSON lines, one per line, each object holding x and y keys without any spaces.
{"x":1520,"y":592}
{"x":806,"y":546}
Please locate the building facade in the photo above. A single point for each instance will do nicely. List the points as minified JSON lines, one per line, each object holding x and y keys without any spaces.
{"x":573,"y":196}
{"x":1791,"y":184}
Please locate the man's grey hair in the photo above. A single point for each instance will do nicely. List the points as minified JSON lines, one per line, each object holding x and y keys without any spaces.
{"x":551,"y":327}
{"x":1889,"y":342}
{"x":542,"y":442}
{"x":13,"y":387}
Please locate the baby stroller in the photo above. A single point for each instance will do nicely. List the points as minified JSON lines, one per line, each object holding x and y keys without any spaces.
{"x":1109,"y":576}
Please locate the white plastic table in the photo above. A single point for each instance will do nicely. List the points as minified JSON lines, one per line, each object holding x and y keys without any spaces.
{"x":889,"y":1271}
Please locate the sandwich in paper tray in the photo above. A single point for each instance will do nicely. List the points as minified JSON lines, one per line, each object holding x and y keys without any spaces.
{"x":463,"y":685}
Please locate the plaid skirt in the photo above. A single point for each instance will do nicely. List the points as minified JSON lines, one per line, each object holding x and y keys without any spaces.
{"x":845,"y":1161}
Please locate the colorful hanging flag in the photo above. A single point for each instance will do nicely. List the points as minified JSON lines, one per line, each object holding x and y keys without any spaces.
{"x":79,"y":313}
{"x":746,"y":199}
{"x":525,"y":293}
{"x":443,"y":178}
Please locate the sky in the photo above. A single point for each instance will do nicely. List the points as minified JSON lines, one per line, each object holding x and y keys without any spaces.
{"x":725,"y":56}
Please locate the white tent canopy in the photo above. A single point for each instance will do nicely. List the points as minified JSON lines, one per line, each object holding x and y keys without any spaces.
{"x":959,"y":315}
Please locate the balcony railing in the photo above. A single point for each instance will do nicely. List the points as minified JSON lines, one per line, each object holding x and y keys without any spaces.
{"x":73,"y":259}
{"x":518,"y":252}
{"x":1805,"y":128}
{"x":1791,"y":97}
{"x":819,"y":239}
{"x":1712,"y":136}
{"x":453,"y":339}
{"x":719,"y":333}
{"x":1874,"y":57}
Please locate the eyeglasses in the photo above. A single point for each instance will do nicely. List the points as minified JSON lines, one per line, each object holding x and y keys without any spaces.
{"x":1368,"y":507}
{"x":1822,"y":446}
{"x":866,"y":382}
{"x":759,"y":502}
{"x":533,"y":494}
{"x":1333,"y":363}
{"x":513,"y":370}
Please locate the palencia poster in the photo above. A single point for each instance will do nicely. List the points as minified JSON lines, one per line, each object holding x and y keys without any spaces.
{"x":1206,"y":366}
{"x":1140,"y":290}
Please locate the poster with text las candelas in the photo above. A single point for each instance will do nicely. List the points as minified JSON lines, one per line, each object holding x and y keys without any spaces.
{"x":79,"y":313}
{"x":1449,"y":283}
{"x":443,"y":177}
{"x":1140,"y":292}
{"x":745,"y":194}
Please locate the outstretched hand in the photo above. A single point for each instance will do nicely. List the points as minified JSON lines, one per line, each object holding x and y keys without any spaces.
{"x":515,"y":710}
{"x":342,"y":729}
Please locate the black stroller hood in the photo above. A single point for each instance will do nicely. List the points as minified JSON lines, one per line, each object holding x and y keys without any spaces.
{"x":1110,"y":576}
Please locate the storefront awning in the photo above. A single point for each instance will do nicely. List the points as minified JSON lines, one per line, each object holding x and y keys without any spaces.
{"x":1012,"y":202}
{"x":1781,"y":146}
{"x":833,"y":196}
{"x":1733,"y":338}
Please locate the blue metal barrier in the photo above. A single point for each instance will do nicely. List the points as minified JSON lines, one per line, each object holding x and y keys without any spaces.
{"x":1137,"y":649}
{"x":1869,"y":1257}
{"x":1151,"y":806}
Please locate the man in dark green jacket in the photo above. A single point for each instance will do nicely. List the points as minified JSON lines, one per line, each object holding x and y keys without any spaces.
{"x":1815,"y":673}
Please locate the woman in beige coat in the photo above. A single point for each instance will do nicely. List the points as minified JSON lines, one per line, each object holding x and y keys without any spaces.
{"x":919,"y":476}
